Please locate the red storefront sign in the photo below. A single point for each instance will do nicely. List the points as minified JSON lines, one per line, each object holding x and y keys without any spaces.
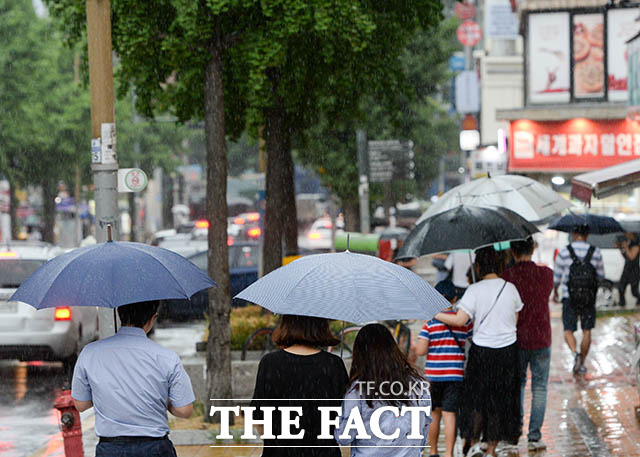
{"x":573,"y":145}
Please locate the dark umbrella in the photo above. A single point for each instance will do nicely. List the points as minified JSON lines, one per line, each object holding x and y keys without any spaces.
{"x":598,"y":225}
{"x":465,"y":228}
{"x":112,"y":274}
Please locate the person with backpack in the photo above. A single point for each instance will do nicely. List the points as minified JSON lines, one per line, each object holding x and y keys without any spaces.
{"x":444,"y":347}
{"x":578,"y":270}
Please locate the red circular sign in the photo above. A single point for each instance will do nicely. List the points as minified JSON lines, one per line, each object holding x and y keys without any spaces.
{"x":464,"y":11}
{"x":469,"y":33}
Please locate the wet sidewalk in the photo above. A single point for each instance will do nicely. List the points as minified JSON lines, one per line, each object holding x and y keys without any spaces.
{"x":590,"y":415}
{"x":594,"y":414}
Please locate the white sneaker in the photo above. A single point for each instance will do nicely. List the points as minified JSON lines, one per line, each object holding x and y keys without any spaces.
{"x":476,"y":451}
{"x":536,"y":446}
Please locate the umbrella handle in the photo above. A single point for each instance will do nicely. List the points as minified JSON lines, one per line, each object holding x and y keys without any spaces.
{"x":342,"y":332}
{"x":109,"y":235}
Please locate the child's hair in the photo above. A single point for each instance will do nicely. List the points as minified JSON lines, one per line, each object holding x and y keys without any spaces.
{"x":377,"y":359}
{"x":447,"y":289}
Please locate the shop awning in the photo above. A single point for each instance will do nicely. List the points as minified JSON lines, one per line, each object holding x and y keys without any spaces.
{"x":607,"y":181}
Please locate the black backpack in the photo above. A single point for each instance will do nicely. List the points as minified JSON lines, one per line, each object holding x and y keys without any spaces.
{"x":583,"y":280}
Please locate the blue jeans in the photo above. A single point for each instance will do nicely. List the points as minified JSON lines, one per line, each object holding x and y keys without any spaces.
{"x":539,"y":361}
{"x":158,"y":448}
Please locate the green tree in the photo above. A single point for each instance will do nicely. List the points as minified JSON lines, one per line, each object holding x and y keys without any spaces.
{"x":411,"y":110}
{"x":175,"y":55}
{"x":318,"y":56}
{"x":44,"y":129}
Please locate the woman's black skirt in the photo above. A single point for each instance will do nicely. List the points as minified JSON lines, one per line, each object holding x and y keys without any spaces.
{"x":490,"y":406}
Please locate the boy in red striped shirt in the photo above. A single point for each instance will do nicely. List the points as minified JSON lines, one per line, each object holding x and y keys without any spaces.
{"x":444,"y":347}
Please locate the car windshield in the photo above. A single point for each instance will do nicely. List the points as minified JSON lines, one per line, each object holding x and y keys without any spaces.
{"x":13,"y":272}
{"x":243,"y":256}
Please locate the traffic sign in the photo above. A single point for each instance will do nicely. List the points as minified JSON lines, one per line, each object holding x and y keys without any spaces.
{"x":464,"y":11}
{"x":467,"y":92}
{"x":457,"y":63}
{"x":390,"y":159}
{"x":469,"y":33}
{"x":131,"y":180}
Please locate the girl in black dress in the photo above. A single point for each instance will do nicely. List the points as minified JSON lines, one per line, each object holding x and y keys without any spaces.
{"x":301,"y":374}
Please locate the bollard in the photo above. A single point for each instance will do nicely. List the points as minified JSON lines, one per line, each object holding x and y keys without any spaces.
{"x":69,"y":424}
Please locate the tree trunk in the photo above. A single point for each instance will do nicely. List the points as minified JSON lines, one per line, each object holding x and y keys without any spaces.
{"x":276,"y":184}
{"x":351,"y":215}
{"x":48,"y":209}
{"x":132,"y":215}
{"x":219,"y":342}
{"x":290,"y":214}
{"x":13,"y":208}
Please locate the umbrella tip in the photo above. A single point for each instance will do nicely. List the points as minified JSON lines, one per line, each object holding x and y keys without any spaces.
{"x":109,"y":234}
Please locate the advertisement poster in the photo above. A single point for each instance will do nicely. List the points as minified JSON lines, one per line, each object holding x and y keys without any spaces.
{"x":621,"y":27}
{"x":588,"y":56}
{"x":573,"y":145}
{"x":633,"y":50}
{"x":548,"y":58}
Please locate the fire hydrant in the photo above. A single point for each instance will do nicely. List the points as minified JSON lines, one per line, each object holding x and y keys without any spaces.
{"x":69,"y":424}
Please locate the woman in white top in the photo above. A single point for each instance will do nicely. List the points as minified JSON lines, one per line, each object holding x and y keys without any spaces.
{"x":490,"y":406}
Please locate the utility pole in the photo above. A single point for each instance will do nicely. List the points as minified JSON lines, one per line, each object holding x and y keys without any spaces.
{"x":78,"y":176}
{"x":363,"y":178}
{"x":104,"y":161}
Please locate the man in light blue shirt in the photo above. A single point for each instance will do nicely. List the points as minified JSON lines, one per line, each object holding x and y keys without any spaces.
{"x":131,"y":382}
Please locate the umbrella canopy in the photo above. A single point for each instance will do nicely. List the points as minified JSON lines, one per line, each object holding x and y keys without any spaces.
{"x":465,"y":228}
{"x":598,"y":225}
{"x":110,"y":275}
{"x":346,"y":286}
{"x":530,"y":199}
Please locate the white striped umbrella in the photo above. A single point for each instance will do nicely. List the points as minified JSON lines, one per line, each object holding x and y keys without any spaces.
{"x":346,"y":286}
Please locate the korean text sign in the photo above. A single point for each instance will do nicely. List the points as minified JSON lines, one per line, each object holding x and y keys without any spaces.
{"x":573,"y":145}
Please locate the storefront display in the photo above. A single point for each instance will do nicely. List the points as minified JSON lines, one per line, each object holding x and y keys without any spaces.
{"x":573,"y":145}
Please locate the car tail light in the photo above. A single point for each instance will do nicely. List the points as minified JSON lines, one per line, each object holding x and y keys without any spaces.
{"x":230,"y":240}
{"x":63,"y":313}
{"x":314,"y":236}
{"x":239,"y":221}
{"x":254,"y":232}
{"x":253,"y":217}
{"x":202,"y":224}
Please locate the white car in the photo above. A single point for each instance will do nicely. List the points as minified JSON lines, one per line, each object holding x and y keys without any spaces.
{"x":318,"y":237}
{"x":52,"y":334}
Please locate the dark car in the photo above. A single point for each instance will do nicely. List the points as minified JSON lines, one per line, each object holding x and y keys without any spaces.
{"x":243,"y":271}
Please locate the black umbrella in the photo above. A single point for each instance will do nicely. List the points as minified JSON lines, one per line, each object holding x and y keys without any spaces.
{"x":465,"y":228}
{"x":598,"y":225}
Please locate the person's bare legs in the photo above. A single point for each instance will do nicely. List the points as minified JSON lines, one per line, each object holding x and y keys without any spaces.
{"x":570,"y":338}
{"x":491,"y":448}
{"x":434,"y":430}
{"x":449,"y":432}
{"x":585,"y":344}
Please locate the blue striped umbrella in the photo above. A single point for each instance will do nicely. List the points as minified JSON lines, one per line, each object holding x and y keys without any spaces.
{"x":346,"y":286}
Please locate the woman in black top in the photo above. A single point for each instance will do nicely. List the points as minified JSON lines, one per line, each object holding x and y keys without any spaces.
{"x":301,"y":374}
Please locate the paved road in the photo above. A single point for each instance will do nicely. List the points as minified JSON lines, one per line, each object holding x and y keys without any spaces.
{"x":28,"y":390}
{"x":27,"y":417}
